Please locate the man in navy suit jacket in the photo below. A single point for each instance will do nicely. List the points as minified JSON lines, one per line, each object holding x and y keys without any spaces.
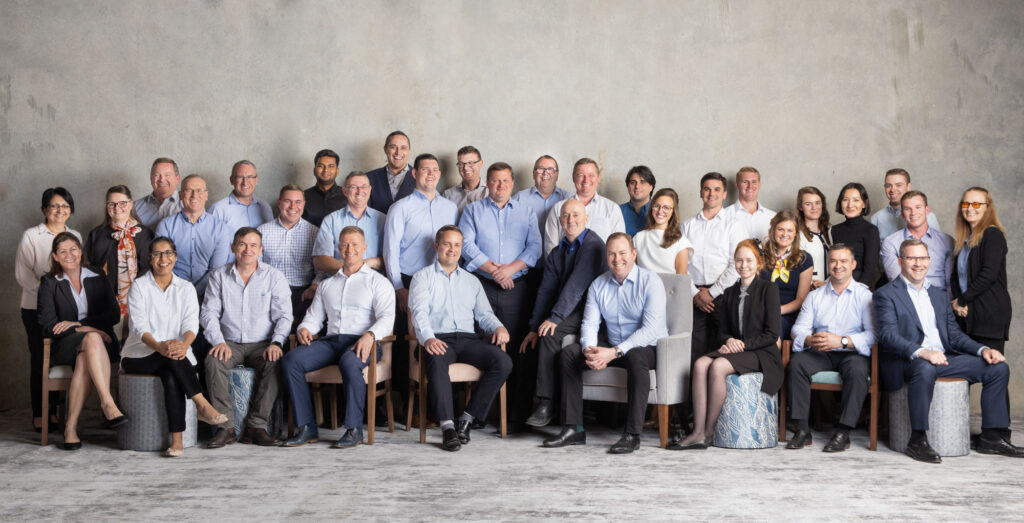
{"x":394,"y":181}
{"x":920,"y":341}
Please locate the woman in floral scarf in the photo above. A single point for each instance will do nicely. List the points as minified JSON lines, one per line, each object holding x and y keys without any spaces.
{"x":121,"y":245}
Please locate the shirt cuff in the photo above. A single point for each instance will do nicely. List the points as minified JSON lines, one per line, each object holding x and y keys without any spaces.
{"x":916,"y":353}
{"x":982,"y":349}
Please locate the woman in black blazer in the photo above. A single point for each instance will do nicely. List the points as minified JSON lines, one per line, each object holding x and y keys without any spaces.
{"x":747,"y":344}
{"x":980,"y":297}
{"x":120,"y":247}
{"x":78,"y":311}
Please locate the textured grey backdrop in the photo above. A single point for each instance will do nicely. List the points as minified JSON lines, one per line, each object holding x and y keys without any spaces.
{"x":809,"y":92}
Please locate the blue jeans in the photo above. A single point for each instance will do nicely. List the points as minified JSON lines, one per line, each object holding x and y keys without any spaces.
{"x":336,"y":349}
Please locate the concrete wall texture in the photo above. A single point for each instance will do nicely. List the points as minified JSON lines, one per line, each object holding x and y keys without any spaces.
{"x":815,"y":93}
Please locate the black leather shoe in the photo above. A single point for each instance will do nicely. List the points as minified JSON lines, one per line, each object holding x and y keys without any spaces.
{"x":450,"y":440}
{"x":840,"y":441}
{"x":698,"y":445}
{"x":922,"y":451}
{"x":999,"y":446}
{"x":569,"y":436}
{"x":307,"y":434}
{"x":351,"y":438}
{"x":478,"y":424}
{"x":462,"y":428}
{"x":626,"y":444}
{"x":75,"y":445}
{"x":542,"y":415}
{"x":116,"y":422}
{"x":801,"y":439}
{"x":223,"y":438}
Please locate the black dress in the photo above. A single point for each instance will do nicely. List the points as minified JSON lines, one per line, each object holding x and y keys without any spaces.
{"x":862,"y":236}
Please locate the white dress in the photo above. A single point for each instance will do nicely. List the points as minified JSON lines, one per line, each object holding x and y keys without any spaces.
{"x":653,"y":257}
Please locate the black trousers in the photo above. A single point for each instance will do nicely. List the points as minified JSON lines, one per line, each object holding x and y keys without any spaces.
{"x":298,"y":306}
{"x":549,"y":356}
{"x":400,"y":350}
{"x":179,"y":379}
{"x":852,"y":367}
{"x":471,"y":349}
{"x":638,"y":363}
{"x":705,"y":331}
{"x":510,"y":308}
{"x":34,"y":332}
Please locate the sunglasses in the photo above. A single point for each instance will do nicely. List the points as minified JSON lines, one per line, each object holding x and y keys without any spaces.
{"x":976,"y":205}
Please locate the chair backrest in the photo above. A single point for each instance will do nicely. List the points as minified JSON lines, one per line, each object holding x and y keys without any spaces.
{"x":678,"y":303}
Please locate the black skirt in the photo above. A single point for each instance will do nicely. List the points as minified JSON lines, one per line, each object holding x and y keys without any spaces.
{"x":744,"y":362}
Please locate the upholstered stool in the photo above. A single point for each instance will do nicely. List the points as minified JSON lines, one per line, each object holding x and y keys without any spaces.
{"x":949,"y":418}
{"x":141,"y":397}
{"x":749,"y":418}
{"x":240,"y":384}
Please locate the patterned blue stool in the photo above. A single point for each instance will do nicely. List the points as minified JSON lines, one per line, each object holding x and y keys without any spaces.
{"x":749,"y":418}
{"x":949,"y":418}
{"x":240,"y":385}
{"x":141,"y":397}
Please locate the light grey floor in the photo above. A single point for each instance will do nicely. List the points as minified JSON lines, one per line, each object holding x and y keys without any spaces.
{"x":400,"y":479}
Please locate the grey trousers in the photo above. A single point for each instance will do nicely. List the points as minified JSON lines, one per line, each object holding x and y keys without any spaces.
{"x":265,"y":389}
{"x":852,"y":367}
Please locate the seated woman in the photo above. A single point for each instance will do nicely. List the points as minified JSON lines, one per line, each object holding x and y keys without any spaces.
{"x":858,"y":233}
{"x":120,"y":246}
{"x":661,"y":247}
{"x":788,"y":267}
{"x":748,"y":319}
{"x":78,"y":311}
{"x":163,"y":314}
{"x":812,"y":224}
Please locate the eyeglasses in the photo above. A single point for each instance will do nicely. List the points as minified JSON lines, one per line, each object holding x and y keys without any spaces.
{"x":545,"y":170}
{"x":666,"y":208}
{"x":58,"y":206}
{"x":460,"y":165}
{"x":163,"y":254}
{"x":976,"y":205}
{"x":120,"y":205}
{"x":916,"y":259}
{"x":250,"y":177}
{"x":193,"y":191}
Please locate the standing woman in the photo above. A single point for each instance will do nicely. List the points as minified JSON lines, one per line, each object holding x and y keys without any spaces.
{"x":121,"y":245}
{"x":31,"y":262}
{"x":661,"y":247}
{"x":981,"y":301}
{"x":812,"y":223}
{"x":858,"y":233}
{"x":78,"y":311}
{"x":163,"y":315}
{"x":788,"y":267}
{"x":748,"y":314}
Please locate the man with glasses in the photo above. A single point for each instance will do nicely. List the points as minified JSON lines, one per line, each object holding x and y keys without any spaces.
{"x":164,"y":200}
{"x":325,"y":196}
{"x":394,"y":181}
{"x":288,"y":247}
{"x":545,"y":192}
{"x":242,"y":208}
{"x":605,"y":215}
{"x":470,"y":190}
{"x":326,"y":257}
{"x":889,"y":219}
{"x":915,"y":211}
{"x":640,"y":184}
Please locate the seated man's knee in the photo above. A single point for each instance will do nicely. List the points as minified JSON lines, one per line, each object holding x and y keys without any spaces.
{"x":923,"y":370}
{"x":998,"y":371}
{"x":571,"y":353}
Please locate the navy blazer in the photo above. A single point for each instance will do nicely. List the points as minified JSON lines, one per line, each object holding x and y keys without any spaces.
{"x":899,"y":330}
{"x":380,"y":190}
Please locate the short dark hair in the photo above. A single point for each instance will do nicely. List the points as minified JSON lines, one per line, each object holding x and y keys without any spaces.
{"x":447,"y":228}
{"x":842,"y":247}
{"x":326,"y":152}
{"x":240,"y":163}
{"x":289,"y":187}
{"x":58,"y":191}
{"x":899,"y":171}
{"x":243,"y":231}
{"x":863,"y":196}
{"x":714,"y":176}
{"x":500,"y":166}
{"x":545,"y":156}
{"x":585,"y":161}
{"x":424,"y":157}
{"x":393,"y":134}
{"x":469,"y":149}
{"x":164,"y":159}
{"x":913,"y":194}
{"x":621,"y":235}
{"x":644,"y":172}
{"x":910,"y":243}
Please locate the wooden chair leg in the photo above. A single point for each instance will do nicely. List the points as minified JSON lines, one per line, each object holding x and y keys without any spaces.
{"x":371,"y":410}
{"x":390,"y":406}
{"x":873,"y":424}
{"x":423,"y":407}
{"x":782,"y":413}
{"x":46,"y":415}
{"x":334,"y":406}
{"x":663,"y":425}
{"x":318,"y":404}
{"x":413,"y":387}
{"x":504,"y":418}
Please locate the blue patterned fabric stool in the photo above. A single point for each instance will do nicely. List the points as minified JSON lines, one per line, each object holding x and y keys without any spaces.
{"x":240,"y":384}
{"x":141,"y":397}
{"x":749,"y":418}
{"x":949,"y":418}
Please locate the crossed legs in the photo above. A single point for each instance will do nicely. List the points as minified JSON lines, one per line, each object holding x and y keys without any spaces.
{"x":92,"y":367}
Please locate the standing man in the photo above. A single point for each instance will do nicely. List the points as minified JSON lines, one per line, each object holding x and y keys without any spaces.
{"x":545,"y":192}
{"x":915,"y":211}
{"x":640,"y":184}
{"x":921,"y":341}
{"x":470,"y":190}
{"x":833,"y":332}
{"x":752,"y":218}
{"x":164,"y":200}
{"x":325,"y":196}
{"x":241,"y":208}
{"x":202,"y":239}
{"x":630,"y":300}
{"x":889,"y":219}
{"x":605,"y":215}
{"x":394,"y":181}
{"x":246,"y":317}
{"x":501,"y":243}
{"x":358,"y":304}
{"x":445,"y":301}
{"x":288,"y":247}
{"x":569,"y":269}
{"x":326,"y":255}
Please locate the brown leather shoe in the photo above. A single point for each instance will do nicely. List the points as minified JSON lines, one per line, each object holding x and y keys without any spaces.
{"x":222,"y":438}
{"x":259,"y":436}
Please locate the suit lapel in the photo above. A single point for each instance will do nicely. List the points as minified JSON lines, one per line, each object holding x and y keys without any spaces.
{"x":747,"y":303}
{"x":938,"y":298}
{"x":64,"y":288}
{"x":904,"y":300}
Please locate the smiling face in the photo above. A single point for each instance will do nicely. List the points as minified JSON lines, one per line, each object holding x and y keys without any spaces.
{"x":119,"y":208}
{"x":545,"y":175}
{"x":325,"y":169}
{"x":57,"y":211}
{"x":811,"y":205}
{"x":746,"y":264}
{"x":971,"y":215}
{"x":164,"y":180}
{"x":783,"y":234}
{"x":895,"y":186}
{"x":469,"y":168}
{"x":712,"y":193}
{"x":449,"y":249}
{"x":587,"y":178}
{"x":247,"y":250}
{"x":397,"y":151}
{"x":68,"y":255}
{"x":244,"y":180}
{"x":621,"y":257}
{"x":357,"y":190}
{"x":427,"y":176}
{"x":915,"y":212}
{"x":499,"y":186}
{"x":291,"y":204}
{"x":161,"y":258}
{"x":573,"y":219}
{"x":352,"y":247}
{"x":748,"y":184}
{"x":194,"y":195}
{"x":661,"y":209}
{"x":852,"y":204}
{"x":639,"y":189}
{"x":840,"y":266}
{"x":914,"y":263}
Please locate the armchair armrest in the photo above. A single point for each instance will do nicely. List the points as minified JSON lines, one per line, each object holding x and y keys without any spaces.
{"x":673,"y":369}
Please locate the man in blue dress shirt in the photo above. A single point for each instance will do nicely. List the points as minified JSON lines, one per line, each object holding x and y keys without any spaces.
{"x":640,"y":184}
{"x":545,"y":192}
{"x":445,"y":302}
{"x":915,"y":211}
{"x":242,"y":208}
{"x":326,"y":257}
{"x":164,"y":201}
{"x":630,"y":301}
{"x":832,"y":333}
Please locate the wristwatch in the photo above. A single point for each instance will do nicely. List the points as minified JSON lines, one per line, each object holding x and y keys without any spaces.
{"x":618,"y":352}
{"x":845,"y":341}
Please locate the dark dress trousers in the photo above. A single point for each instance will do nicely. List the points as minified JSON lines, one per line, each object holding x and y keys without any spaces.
{"x":761,"y":325}
{"x":101,"y":251}
{"x":986,"y":298}
{"x":380,"y":190}
{"x":900,"y":335}
{"x":57,"y":303}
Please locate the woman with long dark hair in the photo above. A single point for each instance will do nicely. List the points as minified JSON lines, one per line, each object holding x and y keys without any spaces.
{"x":813,"y":225}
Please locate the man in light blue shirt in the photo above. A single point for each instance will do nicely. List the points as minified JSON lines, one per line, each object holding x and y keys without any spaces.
{"x":202,"y":239}
{"x":640,"y":184}
{"x":545,"y":193}
{"x":914,"y":205}
{"x":630,"y":301}
{"x":242,"y":208}
{"x":357,"y":212}
{"x":164,"y":200}
{"x":445,"y":301}
{"x":889,"y":219}
{"x":833,"y":333}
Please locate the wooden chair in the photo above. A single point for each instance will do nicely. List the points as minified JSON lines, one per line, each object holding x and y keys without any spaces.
{"x":457,"y":373}
{"x":818,"y":383}
{"x":329,"y":377}
{"x":54,"y":379}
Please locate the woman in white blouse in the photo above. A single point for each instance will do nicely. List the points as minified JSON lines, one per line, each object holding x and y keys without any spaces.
{"x":661,"y":247}
{"x":812,"y":222}
{"x":163,"y":322}
{"x":31,"y":262}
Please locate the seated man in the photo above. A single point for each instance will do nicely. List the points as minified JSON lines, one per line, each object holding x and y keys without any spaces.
{"x":444,"y":301}
{"x":246,"y":317}
{"x":920,"y":341}
{"x":832,"y":333}
{"x":569,"y":269}
{"x":630,"y":300}
{"x":359,"y":306}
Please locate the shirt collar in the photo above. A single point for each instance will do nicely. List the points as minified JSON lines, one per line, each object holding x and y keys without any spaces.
{"x":404,"y":170}
{"x":565,"y":244}
{"x":911,"y":287}
{"x":440,"y":270}
{"x":86,"y":273}
{"x":634,"y":273}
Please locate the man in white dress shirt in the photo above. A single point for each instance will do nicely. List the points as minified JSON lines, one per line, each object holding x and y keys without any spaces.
{"x":750,"y":216}
{"x":605,"y":215}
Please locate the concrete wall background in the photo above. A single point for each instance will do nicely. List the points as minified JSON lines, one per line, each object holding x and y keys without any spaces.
{"x":810,"y":93}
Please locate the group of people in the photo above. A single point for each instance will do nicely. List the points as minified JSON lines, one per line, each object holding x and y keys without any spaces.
{"x":498,"y":280}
